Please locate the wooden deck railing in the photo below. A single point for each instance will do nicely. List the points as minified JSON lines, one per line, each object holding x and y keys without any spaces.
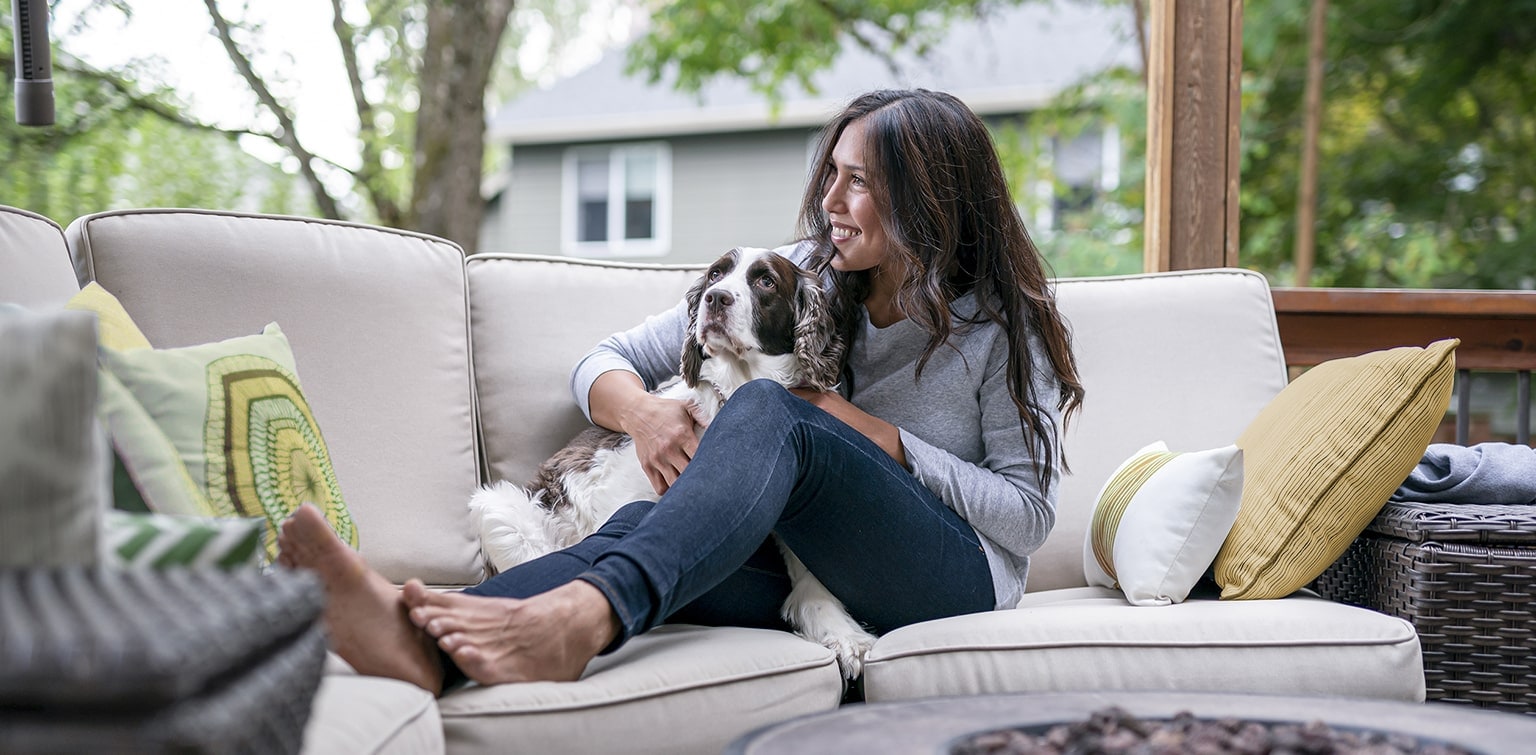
{"x":1497,"y":331}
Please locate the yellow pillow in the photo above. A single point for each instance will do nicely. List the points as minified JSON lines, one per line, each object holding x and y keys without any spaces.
{"x":115,"y":328}
{"x":1323,"y":457}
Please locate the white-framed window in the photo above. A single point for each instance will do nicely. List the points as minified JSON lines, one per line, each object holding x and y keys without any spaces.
{"x":616,"y":201}
{"x":1085,"y":166}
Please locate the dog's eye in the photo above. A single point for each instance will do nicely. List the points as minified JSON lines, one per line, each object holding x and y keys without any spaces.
{"x":715,"y":275}
{"x":766,"y":283}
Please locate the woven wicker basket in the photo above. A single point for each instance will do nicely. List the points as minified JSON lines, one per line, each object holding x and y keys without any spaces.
{"x":1465,"y":576}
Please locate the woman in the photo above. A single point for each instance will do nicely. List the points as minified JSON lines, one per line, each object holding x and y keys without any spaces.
{"x":916,"y":493}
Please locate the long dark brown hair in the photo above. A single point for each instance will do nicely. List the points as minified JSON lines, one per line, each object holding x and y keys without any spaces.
{"x":945,"y":207}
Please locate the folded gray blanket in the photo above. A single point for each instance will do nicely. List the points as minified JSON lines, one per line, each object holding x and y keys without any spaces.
{"x":1481,"y":473}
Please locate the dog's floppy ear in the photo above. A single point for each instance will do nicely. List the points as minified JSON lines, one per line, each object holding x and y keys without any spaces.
{"x":693,"y":352}
{"x":693,"y":360}
{"x":818,"y":345}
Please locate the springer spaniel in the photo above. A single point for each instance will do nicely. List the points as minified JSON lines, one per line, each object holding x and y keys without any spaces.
{"x":753,"y":314}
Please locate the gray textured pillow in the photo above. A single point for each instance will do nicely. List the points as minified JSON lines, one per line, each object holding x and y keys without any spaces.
{"x":55,"y":478}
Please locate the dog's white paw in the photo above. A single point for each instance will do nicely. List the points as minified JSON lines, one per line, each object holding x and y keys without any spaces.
{"x":849,"y":646}
{"x":818,"y":616}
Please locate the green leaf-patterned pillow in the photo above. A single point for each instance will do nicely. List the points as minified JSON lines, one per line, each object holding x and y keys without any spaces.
{"x":160,"y":541}
{"x":235,"y":414}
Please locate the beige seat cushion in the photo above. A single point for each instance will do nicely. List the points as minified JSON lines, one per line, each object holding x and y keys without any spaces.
{"x":1089,"y":638}
{"x":675,"y":690}
{"x":378,"y":322}
{"x":366,"y":715}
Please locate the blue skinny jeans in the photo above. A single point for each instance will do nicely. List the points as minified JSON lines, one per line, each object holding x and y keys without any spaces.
{"x":771,"y":463}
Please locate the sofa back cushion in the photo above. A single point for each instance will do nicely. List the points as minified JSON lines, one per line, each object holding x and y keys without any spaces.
{"x":1187,"y":358}
{"x":533,"y":318}
{"x":35,"y":261}
{"x":377,"y":320}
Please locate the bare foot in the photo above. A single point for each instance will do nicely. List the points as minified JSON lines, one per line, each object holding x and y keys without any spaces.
{"x":364,"y":614}
{"x":548,"y":637}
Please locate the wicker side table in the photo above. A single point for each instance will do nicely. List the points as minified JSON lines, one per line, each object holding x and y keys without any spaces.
{"x":97,"y":660}
{"x":1465,"y":576}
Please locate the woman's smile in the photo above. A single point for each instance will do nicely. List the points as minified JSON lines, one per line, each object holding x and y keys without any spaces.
{"x":844,"y":233}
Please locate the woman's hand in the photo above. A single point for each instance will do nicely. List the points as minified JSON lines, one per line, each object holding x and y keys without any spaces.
{"x":664,"y":431}
{"x":884,"y":434}
{"x":666,"y":437}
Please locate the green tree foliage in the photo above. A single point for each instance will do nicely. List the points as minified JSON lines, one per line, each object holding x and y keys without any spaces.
{"x":1426,"y":178}
{"x":420,"y":74}
{"x":772,"y":43}
{"x":116,"y":146}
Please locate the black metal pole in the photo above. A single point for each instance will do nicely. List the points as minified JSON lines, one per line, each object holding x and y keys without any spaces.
{"x":34,"y":63}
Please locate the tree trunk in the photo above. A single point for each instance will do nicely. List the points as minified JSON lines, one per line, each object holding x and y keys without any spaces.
{"x":462,"y":40}
{"x":1139,"y":13}
{"x":1306,"y":187}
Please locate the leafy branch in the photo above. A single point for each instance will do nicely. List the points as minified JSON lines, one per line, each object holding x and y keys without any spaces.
{"x":287,"y":135}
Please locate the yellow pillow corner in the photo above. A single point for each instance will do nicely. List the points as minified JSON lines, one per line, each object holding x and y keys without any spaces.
{"x":115,"y":328}
{"x":1323,"y":457}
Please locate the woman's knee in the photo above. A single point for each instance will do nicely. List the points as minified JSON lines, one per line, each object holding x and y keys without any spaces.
{"x":758,"y":398}
{"x":763,"y":389}
{"x":627,"y":517}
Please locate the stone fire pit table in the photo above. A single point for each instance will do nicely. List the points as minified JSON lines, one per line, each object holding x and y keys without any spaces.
{"x":933,"y":726}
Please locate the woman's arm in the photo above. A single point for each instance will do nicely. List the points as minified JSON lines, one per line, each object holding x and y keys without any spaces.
{"x":885,"y":435}
{"x":650,"y":351}
{"x":1000,"y":495}
{"x":665,"y":434}
{"x":612,"y":384}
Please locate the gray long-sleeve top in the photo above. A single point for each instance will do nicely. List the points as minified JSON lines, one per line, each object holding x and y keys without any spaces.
{"x":959,"y":427}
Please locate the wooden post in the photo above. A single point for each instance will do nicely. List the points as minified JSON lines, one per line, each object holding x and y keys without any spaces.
{"x":1194,"y":69}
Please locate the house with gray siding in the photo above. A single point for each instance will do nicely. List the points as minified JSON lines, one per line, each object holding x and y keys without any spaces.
{"x":604,"y":165}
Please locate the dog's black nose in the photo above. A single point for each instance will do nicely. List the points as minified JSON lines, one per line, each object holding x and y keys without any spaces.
{"x":718,"y":299}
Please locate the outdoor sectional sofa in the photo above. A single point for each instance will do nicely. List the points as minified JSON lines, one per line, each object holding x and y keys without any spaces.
{"x":430,"y":373}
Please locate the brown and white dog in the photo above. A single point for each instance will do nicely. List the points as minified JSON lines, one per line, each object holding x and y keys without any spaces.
{"x":753,"y":314}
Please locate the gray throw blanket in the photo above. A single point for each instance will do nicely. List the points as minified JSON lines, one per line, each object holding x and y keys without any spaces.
{"x":1481,"y":473}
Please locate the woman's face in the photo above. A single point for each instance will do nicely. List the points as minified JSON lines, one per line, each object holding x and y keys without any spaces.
{"x":857,"y":233}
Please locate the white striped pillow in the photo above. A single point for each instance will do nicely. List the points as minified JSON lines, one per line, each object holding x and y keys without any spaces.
{"x":1159,"y":521}
{"x":158,"y":541}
